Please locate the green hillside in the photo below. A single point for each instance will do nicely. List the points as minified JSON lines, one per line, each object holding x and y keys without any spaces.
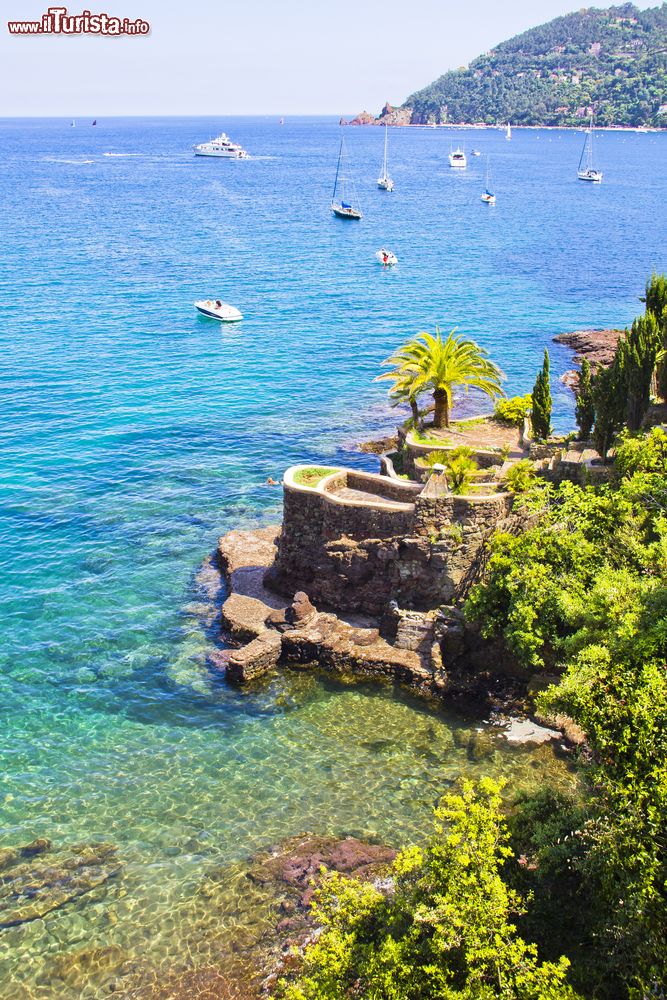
{"x":612,"y":61}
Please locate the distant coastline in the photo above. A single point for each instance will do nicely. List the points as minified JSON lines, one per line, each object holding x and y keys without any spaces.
{"x":475,"y":126}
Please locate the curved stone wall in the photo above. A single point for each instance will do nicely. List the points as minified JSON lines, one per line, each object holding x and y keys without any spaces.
{"x":385,"y":540}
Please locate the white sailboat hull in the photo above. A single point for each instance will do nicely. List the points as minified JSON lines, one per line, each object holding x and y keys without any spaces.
{"x":594,"y":176}
{"x":385,"y":183}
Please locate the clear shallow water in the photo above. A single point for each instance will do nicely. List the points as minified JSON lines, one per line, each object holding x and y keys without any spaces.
{"x":134,"y":433}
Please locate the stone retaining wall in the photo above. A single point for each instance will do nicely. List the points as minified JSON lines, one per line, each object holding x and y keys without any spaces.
{"x":355,"y":555}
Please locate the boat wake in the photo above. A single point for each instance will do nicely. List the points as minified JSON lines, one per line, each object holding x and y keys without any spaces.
{"x":55,"y":159}
{"x":122,"y":155}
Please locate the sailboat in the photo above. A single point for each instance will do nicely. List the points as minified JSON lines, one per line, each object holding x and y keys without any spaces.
{"x":488,"y":197}
{"x":384,"y":180}
{"x":508,"y":133}
{"x":343,"y":189}
{"x":586,"y":170}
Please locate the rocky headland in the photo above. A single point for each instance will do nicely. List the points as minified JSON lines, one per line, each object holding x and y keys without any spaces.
{"x":596,"y":346}
{"x":365,"y":579}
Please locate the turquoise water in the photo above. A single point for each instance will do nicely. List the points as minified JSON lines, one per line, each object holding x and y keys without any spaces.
{"x":134,"y":433}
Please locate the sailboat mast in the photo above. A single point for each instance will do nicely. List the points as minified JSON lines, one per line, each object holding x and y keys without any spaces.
{"x":590,"y":146}
{"x":384,"y":167}
{"x":340,"y":154}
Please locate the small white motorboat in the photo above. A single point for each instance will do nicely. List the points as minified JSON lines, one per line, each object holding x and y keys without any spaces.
{"x":216,"y":309}
{"x":476,"y":152}
{"x":386,"y":258}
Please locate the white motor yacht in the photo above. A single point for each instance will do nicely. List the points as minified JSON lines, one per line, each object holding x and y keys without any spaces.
{"x":223,"y":147}
{"x":457,"y":158}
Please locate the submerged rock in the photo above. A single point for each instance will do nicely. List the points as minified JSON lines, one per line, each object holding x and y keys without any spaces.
{"x":297,"y":863}
{"x":35,"y":847}
{"x":480,"y":746}
{"x":33,"y":888}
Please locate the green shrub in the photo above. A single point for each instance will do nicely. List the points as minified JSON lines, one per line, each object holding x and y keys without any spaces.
{"x":513,"y":411}
{"x":520,"y":477}
{"x":585,"y":409}
{"x":436,"y":458}
{"x":642,"y":452}
{"x":461,"y":468}
{"x":445,"y":931}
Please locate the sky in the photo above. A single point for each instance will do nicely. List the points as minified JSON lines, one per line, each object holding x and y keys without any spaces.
{"x":284,"y":57}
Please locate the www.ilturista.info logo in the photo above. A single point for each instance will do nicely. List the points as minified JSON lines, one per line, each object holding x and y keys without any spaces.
{"x":57,"y":21}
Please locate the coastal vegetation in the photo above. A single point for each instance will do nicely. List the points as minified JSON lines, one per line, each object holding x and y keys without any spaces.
{"x":620,"y":395}
{"x":312,"y":475}
{"x":541,"y":401}
{"x":431,"y":363}
{"x":610,"y":62}
{"x":460,"y":465}
{"x":444,"y":931}
{"x":546,"y":895}
{"x":513,"y":411}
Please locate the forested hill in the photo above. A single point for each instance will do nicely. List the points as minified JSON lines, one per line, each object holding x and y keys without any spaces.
{"x":612,"y":62}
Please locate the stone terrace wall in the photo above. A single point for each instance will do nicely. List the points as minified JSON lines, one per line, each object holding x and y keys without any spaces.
{"x":359,"y":556}
{"x":475,"y":515}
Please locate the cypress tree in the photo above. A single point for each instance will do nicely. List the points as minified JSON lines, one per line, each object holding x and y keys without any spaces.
{"x":541,"y":415}
{"x":585,"y":410}
{"x":609,"y":401}
{"x":656,"y":305}
{"x":637,"y":353}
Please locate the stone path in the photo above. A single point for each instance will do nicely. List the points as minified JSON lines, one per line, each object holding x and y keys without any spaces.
{"x":346,"y":493}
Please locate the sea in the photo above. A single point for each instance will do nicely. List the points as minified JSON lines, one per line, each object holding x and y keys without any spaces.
{"x":134,"y":432}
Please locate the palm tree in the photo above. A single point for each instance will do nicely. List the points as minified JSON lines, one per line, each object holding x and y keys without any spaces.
{"x":406,"y":368}
{"x":435,"y":364}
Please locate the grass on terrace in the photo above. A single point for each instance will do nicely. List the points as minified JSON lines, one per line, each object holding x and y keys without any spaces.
{"x":312,"y":475}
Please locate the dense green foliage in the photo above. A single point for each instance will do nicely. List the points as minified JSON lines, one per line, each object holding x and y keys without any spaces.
{"x":445,"y":929}
{"x":584,"y":592}
{"x":541,"y":397}
{"x":513,"y":411}
{"x":621,"y":393}
{"x":656,"y":304}
{"x":642,"y":453}
{"x":585,"y":408}
{"x":612,"y":62}
{"x":431,"y":363}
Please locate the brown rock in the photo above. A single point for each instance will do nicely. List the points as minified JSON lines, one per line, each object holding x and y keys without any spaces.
{"x":33,"y":888}
{"x":255,"y":659}
{"x":298,"y":862}
{"x":278,"y":619}
{"x":363,"y":118}
{"x":35,"y":847}
{"x":597,"y":346}
{"x":8,"y":856}
{"x":218,"y":659}
{"x":301,"y":611}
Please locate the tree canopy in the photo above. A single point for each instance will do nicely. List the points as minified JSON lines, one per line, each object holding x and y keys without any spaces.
{"x":612,"y":61}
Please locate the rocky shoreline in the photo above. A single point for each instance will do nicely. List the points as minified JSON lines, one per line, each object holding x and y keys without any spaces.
{"x":596,"y":346}
{"x":436,"y":654}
